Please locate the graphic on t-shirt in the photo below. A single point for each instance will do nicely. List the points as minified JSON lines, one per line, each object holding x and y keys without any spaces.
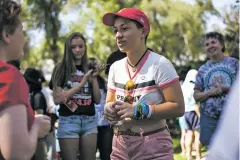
{"x":122,"y":98}
{"x":142,"y":94}
{"x":219,"y":76}
{"x":83,"y":97}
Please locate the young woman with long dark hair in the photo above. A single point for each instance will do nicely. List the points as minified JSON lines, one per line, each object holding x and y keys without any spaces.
{"x":76,"y":89}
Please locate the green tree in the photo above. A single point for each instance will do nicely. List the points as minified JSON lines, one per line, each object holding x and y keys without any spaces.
{"x":44,"y":14}
{"x":176,"y":26}
{"x":231,"y":19}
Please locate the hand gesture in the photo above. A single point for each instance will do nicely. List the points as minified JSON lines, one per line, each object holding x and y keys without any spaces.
{"x":110,"y":113}
{"x":98,"y":69}
{"x":95,"y":72}
{"x":86,"y":76}
{"x":124,"y":110}
{"x":217,"y":91}
{"x":44,"y":124}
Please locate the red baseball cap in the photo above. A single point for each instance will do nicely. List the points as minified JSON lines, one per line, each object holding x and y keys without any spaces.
{"x":129,"y":13}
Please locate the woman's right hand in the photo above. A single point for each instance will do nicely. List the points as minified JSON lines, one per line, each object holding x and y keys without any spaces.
{"x":44,"y":124}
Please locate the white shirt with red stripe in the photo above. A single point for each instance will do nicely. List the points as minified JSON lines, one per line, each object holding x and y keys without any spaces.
{"x":154,"y":73}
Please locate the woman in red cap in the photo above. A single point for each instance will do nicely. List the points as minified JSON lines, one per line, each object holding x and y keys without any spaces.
{"x":143,"y":91}
{"x":20,"y":130}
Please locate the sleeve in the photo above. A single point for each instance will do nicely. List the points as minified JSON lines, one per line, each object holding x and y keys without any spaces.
{"x":237,"y":66}
{"x":111,"y":80}
{"x":199,"y":81}
{"x":166,"y":74}
{"x":13,"y":88}
{"x":39,"y":101}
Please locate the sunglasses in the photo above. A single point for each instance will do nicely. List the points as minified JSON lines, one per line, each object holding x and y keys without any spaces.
{"x":14,"y":9}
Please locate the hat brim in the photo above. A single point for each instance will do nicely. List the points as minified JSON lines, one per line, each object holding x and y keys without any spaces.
{"x":108,"y":18}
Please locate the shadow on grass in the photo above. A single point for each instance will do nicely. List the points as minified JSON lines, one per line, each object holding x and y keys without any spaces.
{"x":176,"y":145}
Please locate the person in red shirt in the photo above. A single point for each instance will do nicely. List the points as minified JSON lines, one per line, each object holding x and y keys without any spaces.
{"x":20,"y":130}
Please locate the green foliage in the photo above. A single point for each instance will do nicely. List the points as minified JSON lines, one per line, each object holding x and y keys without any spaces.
{"x":176,"y":27}
{"x":232,"y":30}
{"x":44,"y":14}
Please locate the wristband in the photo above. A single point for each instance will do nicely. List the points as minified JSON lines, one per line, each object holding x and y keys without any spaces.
{"x":145,"y":111}
{"x":149,"y":113}
{"x":136,"y":112}
{"x":142,"y":111}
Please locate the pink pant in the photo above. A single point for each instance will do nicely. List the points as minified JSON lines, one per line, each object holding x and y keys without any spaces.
{"x":157,"y":146}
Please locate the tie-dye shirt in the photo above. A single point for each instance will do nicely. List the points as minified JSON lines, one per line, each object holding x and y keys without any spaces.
{"x":211,"y":73}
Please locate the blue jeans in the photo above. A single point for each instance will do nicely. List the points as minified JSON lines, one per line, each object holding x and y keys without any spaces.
{"x":207,"y":128}
{"x":76,"y":126}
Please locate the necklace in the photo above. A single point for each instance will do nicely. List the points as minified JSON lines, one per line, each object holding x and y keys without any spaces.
{"x":134,"y":66}
{"x":130,"y":84}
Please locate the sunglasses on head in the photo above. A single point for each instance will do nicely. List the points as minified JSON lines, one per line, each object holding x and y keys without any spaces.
{"x":14,"y":9}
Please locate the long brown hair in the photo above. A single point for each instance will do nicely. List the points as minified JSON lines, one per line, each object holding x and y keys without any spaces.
{"x":63,"y":71}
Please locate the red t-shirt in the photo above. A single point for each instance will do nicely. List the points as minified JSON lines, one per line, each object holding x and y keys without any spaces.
{"x":14,"y":90}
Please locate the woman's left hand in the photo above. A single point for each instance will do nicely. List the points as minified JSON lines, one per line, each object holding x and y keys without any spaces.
{"x":124,"y":110}
{"x":95,"y":72}
{"x":93,"y":75}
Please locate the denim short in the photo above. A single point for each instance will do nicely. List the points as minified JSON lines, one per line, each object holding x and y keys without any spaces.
{"x":207,"y":128}
{"x":76,"y":126}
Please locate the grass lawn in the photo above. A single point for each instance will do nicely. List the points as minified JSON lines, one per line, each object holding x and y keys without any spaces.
{"x":177,"y":150}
